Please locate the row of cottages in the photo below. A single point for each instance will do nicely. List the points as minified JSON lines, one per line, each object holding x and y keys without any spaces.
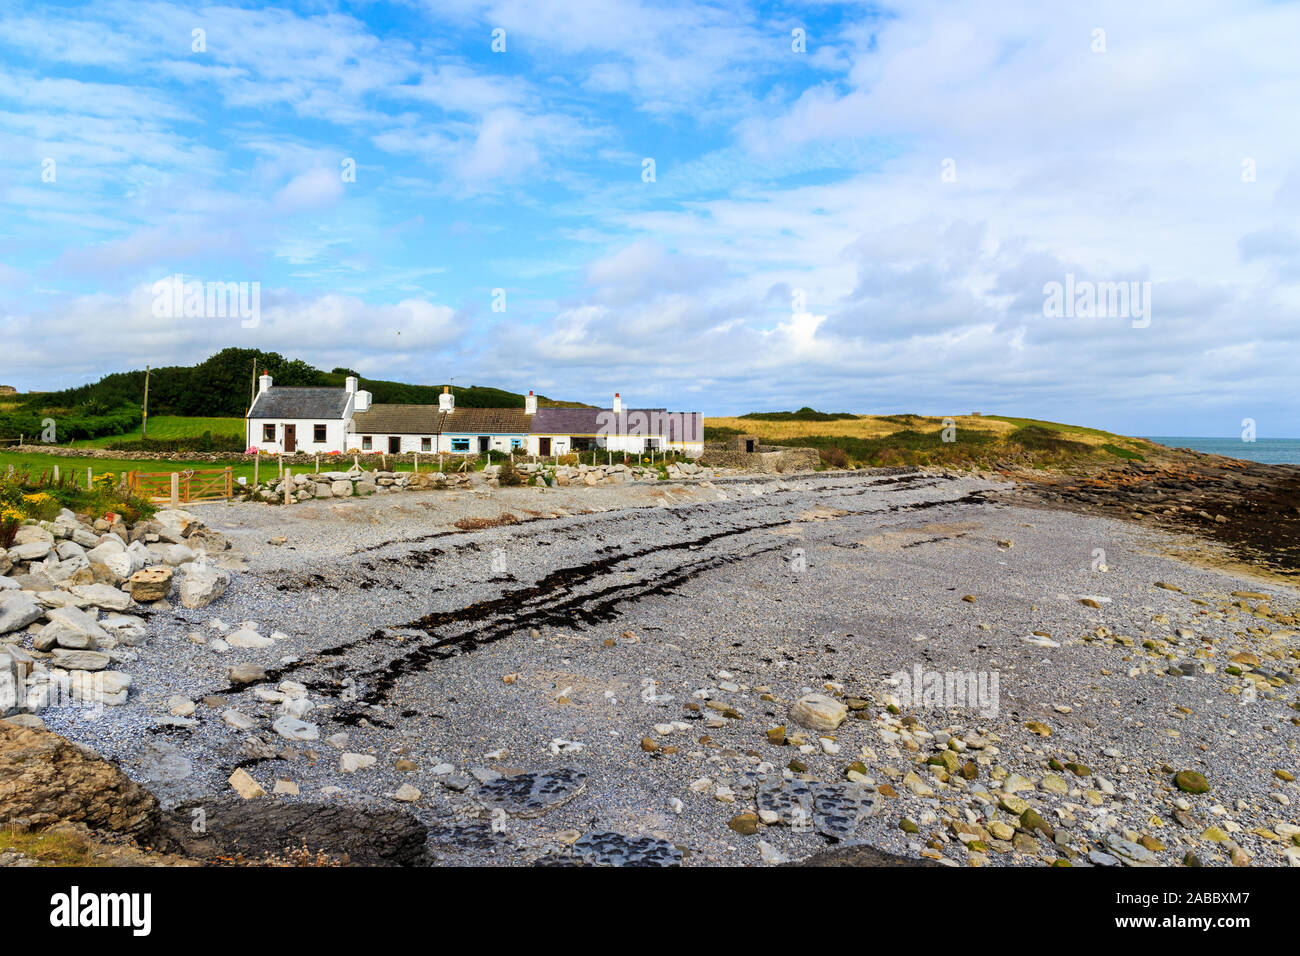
{"x":326,"y":420}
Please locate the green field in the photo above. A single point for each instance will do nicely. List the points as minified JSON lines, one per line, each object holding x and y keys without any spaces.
{"x":36,"y":463}
{"x":167,"y":427}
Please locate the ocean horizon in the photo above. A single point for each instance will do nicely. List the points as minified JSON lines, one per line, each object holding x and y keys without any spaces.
{"x":1269,"y":451}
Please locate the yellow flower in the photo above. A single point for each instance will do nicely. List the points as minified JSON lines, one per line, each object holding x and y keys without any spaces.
{"x":39,"y":498}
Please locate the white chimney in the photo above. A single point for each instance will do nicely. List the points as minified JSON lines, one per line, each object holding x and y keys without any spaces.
{"x":446,"y":401}
{"x":350,"y":383}
{"x":263,"y":381}
{"x":530,"y":403}
{"x":618,"y":404}
{"x":362,"y":402}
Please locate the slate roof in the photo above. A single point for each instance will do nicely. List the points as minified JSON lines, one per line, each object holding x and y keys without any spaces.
{"x":285,"y":401}
{"x":589,"y":421}
{"x":397,"y":420}
{"x":485,"y":421}
{"x":566,"y":421}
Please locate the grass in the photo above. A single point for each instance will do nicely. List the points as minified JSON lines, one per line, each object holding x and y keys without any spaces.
{"x":918,"y":439}
{"x":35,"y":463}
{"x":49,"y":849}
{"x":167,"y":427}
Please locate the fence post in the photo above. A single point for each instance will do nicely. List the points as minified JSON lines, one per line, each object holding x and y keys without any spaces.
{"x":176,"y":489}
{"x":90,"y":478}
{"x":318,"y":463}
{"x":415,"y":460}
{"x":230,"y":481}
{"x":257,"y":460}
{"x":288,"y":484}
{"x":56,"y":475}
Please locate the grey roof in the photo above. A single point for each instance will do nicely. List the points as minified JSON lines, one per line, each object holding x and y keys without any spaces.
{"x":485,"y":421}
{"x":397,"y":420}
{"x":647,"y":422}
{"x":566,"y":421}
{"x":284,"y":401}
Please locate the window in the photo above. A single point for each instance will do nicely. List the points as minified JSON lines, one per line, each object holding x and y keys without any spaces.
{"x":460,"y":444}
{"x":516,"y":443}
{"x":366,"y":443}
{"x":318,"y":434}
{"x":268,"y":433}
{"x":426,"y":444}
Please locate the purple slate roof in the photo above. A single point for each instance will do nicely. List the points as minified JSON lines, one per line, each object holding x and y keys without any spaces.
{"x":565,"y":421}
{"x":649,"y":422}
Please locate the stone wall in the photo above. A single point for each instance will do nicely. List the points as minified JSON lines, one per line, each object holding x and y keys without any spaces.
{"x":771,"y":460}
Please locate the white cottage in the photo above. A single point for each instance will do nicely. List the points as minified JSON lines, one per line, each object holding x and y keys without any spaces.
{"x":287,"y":419}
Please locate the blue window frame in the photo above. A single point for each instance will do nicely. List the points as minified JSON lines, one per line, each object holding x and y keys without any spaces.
{"x":516,"y":443}
{"x":460,"y":444}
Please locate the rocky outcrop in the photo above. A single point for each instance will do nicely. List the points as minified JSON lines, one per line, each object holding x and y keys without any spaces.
{"x":45,"y":779}
{"x":260,"y":827}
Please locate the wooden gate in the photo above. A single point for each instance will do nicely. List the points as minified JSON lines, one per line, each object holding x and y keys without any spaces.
{"x":190,"y":485}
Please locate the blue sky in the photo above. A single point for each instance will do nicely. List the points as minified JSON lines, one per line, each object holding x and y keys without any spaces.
{"x":800,"y":242}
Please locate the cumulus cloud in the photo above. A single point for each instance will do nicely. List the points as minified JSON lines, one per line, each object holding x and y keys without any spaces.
{"x":867,"y":226}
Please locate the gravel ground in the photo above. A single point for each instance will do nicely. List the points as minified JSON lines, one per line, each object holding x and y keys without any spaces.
{"x":686,"y":619}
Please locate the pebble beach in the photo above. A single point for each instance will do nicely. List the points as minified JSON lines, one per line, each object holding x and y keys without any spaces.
{"x":744,"y":670}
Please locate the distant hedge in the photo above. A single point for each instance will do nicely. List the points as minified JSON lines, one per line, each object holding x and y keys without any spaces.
{"x":86,"y":421}
{"x":804,"y":414}
{"x":205,"y":442}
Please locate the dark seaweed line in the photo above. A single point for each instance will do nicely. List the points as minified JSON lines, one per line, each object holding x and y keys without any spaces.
{"x":564,"y":579}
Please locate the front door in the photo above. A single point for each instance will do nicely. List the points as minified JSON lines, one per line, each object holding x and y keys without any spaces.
{"x":290,"y":439}
{"x":483,"y":444}
{"x":394,"y":444}
{"x":544,"y":447}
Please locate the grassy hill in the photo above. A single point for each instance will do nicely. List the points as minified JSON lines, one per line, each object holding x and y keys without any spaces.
{"x":185,"y":402}
{"x":892,"y":440}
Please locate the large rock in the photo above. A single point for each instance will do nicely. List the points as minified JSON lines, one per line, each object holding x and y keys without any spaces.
{"x":818,"y":712}
{"x":17,"y":610}
{"x":75,"y":660}
{"x":109,"y":688}
{"x":32,"y":551}
{"x":100,"y":553}
{"x":233,"y":826}
{"x":339,"y":489}
{"x":248,"y":639}
{"x":45,"y":779}
{"x":200,"y":586}
{"x":291,"y":728}
{"x":151,"y":584}
{"x":30,"y":533}
{"x":124,"y":563}
{"x":102,"y":595}
{"x":60,"y":635}
{"x":75,"y":619}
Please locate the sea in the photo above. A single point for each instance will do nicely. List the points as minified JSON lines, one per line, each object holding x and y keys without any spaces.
{"x":1271,"y":451}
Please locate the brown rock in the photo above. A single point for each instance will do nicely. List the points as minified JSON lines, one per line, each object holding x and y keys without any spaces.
{"x":151,"y":584}
{"x":45,"y":779}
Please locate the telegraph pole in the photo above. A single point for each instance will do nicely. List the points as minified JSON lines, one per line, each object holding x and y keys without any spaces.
{"x":144,"y":417}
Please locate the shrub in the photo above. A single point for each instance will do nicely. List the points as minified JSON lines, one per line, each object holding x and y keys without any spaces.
{"x":834,"y":457}
{"x":10,"y":520}
{"x":508,"y":475}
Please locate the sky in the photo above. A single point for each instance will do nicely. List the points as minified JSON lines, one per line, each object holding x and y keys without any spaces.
{"x":724,"y":207}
